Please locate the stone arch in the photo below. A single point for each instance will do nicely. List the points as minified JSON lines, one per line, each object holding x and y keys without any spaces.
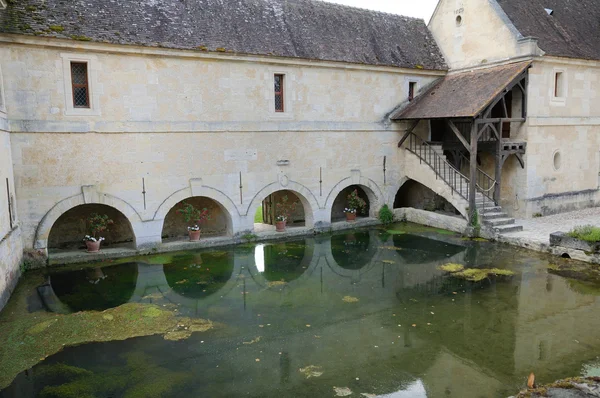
{"x":224,"y":202}
{"x":416,"y":195}
{"x":45,"y":226}
{"x":307,"y":198}
{"x":370,"y":187}
{"x":427,"y":177}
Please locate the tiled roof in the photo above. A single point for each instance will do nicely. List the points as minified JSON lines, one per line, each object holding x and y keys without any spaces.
{"x":308,"y":29}
{"x":573,"y":29}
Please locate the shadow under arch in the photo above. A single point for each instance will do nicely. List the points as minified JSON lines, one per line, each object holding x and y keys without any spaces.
{"x":222,"y":200}
{"x":43,"y":229}
{"x":416,"y":195}
{"x":370,"y":187}
{"x":307,"y":198}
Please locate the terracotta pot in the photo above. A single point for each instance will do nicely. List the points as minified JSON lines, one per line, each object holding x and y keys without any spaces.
{"x":280,"y":226}
{"x":93,"y":247}
{"x":350,"y":216}
{"x":194,"y":236}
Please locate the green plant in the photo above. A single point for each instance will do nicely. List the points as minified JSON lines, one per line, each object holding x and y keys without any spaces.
{"x":192,"y":214}
{"x":385,"y":215}
{"x":285,"y":208}
{"x":355,"y":202}
{"x":537,"y":215}
{"x":588,"y":233}
{"x":97,"y":223}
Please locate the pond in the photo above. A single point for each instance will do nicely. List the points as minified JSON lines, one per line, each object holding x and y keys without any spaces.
{"x":364,"y":313}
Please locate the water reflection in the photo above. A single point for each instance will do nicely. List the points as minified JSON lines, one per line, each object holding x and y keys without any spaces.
{"x":367,"y":311}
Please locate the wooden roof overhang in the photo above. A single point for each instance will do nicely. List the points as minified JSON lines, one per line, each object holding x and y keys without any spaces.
{"x":468,"y":96}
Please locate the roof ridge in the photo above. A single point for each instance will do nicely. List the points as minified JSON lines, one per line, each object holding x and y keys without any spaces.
{"x":362,"y":9}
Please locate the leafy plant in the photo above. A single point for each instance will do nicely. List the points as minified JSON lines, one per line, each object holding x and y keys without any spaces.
{"x":97,"y":223}
{"x":285,"y":208}
{"x":192,"y":214}
{"x":588,"y":233}
{"x":355,"y":202}
{"x":385,"y":215}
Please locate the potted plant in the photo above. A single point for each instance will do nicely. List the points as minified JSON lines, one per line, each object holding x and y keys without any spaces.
{"x":355,"y":204}
{"x":96,"y":223}
{"x":192,"y":214}
{"x":284,"y":210}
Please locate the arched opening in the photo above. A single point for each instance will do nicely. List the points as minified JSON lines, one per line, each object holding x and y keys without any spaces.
{"x":340,"y":204}
{"x":199,"y":275}
{"x":70,"y":228}
{"x":283,"y":262}
{"x":284,"y":203}
{"x":566,"y":255}
{"x":175,"y":227}
{"x":418,"y":196}
{"x":96,"y":289}
{"x":353,"y":250}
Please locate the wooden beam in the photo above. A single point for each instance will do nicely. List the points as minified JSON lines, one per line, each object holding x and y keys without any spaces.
{"x":498,"y":119}
{"x":408,"y":132}
{"x":458,"y":134}
{"x":473,"y":175}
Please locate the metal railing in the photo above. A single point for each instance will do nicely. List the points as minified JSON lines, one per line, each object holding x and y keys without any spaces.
{"x":484,"y":183}
{"x":443,"y":170}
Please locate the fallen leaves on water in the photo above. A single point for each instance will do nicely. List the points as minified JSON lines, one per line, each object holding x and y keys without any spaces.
{"x":256,"y":340}
{"x":311,"y":371}
{"x":451,"y":267}
{"x":350,"y":299}
{"x":342,"y":391}
{"x":388,"y":262}
{"x":181,"y":282}
{"x":276,"y":283}
{"x":389,"y":248}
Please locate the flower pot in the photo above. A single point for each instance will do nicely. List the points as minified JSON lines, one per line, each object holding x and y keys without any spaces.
{"x":350,"y":216}
{"x":93,"y":247}
{"x":280,"y":226}
{"x":194,"y":236}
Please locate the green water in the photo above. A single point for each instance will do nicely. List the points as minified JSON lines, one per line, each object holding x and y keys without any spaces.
{"x":366,"y":312}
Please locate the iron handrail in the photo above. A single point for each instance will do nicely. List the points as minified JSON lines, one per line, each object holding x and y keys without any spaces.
{"x":485,"y":183}
{"x":458,"y":182}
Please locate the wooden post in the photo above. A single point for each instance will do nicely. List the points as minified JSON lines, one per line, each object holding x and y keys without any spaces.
{"x":473,"y":174}
{"x":498,"y":175}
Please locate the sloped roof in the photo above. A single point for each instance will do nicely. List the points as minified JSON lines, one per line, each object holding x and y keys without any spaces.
{"x":308,"y":29}
{"x":461,"y":95}
{"x":573,"y":29}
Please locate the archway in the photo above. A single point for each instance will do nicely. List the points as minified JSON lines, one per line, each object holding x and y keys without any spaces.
{"x":286,"y":203}
{"x":418,"y":196}
{"x":341,"y":202}
{"x":219,"y":224}
{"x":70,"y":228}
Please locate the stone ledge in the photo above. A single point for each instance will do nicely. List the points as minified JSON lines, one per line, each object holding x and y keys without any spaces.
{"x":563,"y":240}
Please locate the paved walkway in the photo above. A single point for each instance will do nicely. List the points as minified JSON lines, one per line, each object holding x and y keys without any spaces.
{"x":539,"y":229}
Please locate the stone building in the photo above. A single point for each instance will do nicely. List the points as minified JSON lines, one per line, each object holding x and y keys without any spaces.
{"x":130,"y":108}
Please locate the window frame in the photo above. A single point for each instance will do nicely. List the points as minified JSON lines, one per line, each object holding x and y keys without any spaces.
{"x":79,"y":85}
{"x":94,"y":88}
{"x":412,"y":89}
{"x":280,"y":93}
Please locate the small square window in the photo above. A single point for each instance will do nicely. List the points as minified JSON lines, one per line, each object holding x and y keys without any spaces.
{"x":412,"y":88}
{"x":279,"y":96}
{"x":80,"y":84}
{"x":559,"y":85}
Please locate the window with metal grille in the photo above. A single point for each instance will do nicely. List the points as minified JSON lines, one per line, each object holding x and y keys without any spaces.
{"x":81,"y":88}
{"x":279,"y":93}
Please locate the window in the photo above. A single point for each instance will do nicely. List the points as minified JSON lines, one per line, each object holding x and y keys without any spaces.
{"x":80,"y":85}
{"x":279,"y":93}
{"x":2,"y":101}
{"x":412,"y":88}
{"x":559,"y":85}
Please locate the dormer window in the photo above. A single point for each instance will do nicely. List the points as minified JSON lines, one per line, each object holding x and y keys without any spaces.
{"x":412,"y":89}
{"x":549,"y":11}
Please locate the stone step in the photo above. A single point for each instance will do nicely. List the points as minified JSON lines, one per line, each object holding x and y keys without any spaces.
{"x":505,"y":229}
{"x":494,"y":215}
{"x":499,"y":221}
{"x":491,"y":209}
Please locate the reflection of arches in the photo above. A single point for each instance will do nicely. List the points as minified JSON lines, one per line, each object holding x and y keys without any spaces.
{"x":219,"y":197}
{"x":207,"y":275}
{"x":416,"y":195}
{"x":95,"y":289}
{"x":43,"y":230}
{"x":370,"y":188}
{"x":307,"y":198}
{"x":353,"y":274}
{"x":220,"y":223}
{"x":421,"y":250}
{"x":352,"y":250}
{"x":70,"y":228}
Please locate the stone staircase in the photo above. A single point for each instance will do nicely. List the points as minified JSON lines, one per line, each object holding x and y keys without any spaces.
{"x":491,"y":215}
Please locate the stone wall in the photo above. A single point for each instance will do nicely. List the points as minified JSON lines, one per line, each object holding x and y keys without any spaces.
{"x":431,"y":219}
{"x":418,"y":196}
